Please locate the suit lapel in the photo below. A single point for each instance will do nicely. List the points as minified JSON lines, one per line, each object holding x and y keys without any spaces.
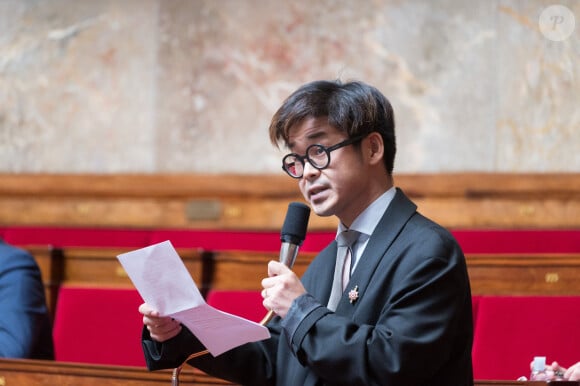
{"x":396,"y":216}
{"x":323,"y":265}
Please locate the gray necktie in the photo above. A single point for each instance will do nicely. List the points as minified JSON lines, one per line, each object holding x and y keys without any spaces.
{"x":345,"y":242}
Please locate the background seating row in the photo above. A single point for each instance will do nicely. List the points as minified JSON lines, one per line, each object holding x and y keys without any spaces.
{"x":496,"y":266}
{"x":520,"y":233}
{"x":509,"y":330}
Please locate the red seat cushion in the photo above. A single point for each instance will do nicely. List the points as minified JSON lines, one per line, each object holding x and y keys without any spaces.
{"x":511,"y":330}
{"x":247,"y":304}
{"x":99,"y":326}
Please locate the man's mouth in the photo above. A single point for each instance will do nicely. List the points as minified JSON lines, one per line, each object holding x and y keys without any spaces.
{"x":315,"y":191}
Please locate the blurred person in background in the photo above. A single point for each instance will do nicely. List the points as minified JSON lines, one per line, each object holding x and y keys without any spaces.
{"x":25,"y":326}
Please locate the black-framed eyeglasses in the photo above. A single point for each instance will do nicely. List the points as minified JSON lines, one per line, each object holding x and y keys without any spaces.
{"x":317,"y":155}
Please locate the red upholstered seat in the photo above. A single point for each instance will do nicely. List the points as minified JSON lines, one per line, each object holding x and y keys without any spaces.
{"x":247,"y":304}
{"x":98,"y":326}
{"x":511,"y":330}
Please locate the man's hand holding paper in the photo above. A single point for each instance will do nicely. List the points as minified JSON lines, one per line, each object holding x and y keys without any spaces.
{"x":166,"y":286}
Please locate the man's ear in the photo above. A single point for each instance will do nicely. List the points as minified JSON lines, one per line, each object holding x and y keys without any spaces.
{"x":376,"y":148}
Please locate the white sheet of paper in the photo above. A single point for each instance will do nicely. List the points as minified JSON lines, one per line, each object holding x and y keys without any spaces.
{"x":164,"y":283}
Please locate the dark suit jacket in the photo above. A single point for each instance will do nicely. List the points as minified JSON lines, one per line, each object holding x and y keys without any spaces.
{"x":411,"y":324}
{"x":25,"y":327}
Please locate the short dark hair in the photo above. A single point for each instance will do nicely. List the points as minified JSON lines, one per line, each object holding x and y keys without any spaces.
{"x":355,"y":108}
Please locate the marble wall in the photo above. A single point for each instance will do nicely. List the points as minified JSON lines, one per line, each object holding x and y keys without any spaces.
{"x":156,"y":86}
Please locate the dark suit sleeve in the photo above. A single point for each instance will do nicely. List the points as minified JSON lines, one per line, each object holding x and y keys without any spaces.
{"x":249,"y":364}
{"x":23,"y":306}
{"x":169,"y":354}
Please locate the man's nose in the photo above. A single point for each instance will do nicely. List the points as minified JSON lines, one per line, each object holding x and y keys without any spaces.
{"x":309,"y":170}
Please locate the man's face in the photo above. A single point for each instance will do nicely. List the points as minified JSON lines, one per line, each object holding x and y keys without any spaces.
{"x":338,"y":189}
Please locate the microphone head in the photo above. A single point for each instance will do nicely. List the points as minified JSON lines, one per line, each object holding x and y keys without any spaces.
{"x":295,"y":224}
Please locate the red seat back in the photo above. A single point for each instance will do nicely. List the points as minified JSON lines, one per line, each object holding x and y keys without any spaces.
{"x":98,"y":326}
{"x":511,"y":330}
{"x":247,"y":304}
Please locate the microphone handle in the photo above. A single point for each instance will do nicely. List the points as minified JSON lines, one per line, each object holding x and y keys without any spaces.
{"x":288,"y":253}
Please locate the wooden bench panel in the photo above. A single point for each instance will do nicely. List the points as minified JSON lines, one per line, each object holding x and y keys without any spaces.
{"x":50,"y":373}
{"x":490,"y":274}
{"x":50,"y":263}
{"x":243,"y":270}
{"x":455,"y":200}
{"x":529,"y":274}
{"x":268,"y":213}
{"x":100,"y":266}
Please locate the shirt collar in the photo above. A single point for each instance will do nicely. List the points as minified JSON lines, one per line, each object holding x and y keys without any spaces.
{"x":367,"y":221}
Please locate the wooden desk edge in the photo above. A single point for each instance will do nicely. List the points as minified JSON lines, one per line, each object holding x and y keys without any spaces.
{"x":188,"y":375}
{"x":84,"y":370}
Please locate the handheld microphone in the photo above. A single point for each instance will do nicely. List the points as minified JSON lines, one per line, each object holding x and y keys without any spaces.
{"x":292,"y":235}
{"x":293,"y":232}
